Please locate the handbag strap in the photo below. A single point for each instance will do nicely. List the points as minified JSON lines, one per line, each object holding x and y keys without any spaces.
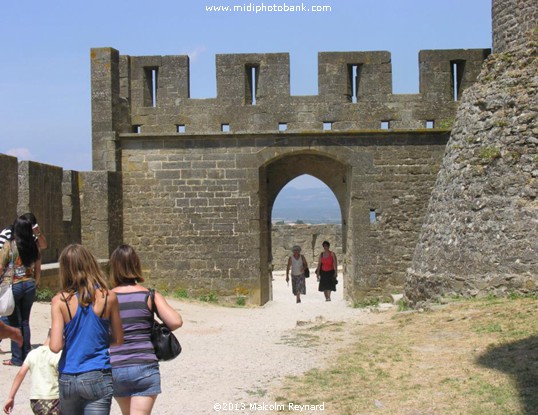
{"x":153,"y":306}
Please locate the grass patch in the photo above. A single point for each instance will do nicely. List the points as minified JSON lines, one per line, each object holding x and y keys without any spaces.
{"x":241,"y":301}
{"x":258,"y":392}
{"x":181,"y":293}
{"x":209,"y":298}
{"x":44,"y":295}
{"x":300,"y":339}
{"x":474,"y":356}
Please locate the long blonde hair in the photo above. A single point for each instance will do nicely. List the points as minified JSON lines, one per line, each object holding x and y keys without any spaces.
{"x":80,"y":273}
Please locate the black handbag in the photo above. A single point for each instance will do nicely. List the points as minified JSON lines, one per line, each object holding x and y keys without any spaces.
{"x":166,"y":345}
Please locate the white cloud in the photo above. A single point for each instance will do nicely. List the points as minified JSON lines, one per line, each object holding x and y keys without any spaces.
{"x":21,"y":153}
{"x":196,"y":52}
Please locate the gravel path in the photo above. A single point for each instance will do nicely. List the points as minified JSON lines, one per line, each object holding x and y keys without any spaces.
{"x":231,"y":356}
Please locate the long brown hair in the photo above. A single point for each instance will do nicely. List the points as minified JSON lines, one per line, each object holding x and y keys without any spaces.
{"x":80,"y":273}
{"x":125,"y":266}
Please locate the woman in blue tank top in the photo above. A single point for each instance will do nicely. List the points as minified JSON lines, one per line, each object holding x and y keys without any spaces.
{"x":135,"y":368}
{"x":85,"y":323}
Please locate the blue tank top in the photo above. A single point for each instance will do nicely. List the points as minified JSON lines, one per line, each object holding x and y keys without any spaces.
{"x":87,"y":341}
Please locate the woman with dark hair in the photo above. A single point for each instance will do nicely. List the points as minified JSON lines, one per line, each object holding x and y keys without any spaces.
{"x":135,"y":368}
{"x":19,"y":259}
{"x":326,"y":271}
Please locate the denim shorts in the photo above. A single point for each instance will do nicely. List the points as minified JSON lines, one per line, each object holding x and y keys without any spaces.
{"x":140,"y":380}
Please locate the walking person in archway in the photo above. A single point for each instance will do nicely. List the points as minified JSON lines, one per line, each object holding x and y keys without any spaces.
{"x":297,"y":263}
{"x":327,"y":271}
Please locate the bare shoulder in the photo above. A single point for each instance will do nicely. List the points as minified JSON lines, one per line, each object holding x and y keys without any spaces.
{"x":57,"y":299}
{"x":112,"y":296}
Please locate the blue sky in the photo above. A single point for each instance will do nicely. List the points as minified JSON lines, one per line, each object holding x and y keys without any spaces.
{"x":45,"y":48}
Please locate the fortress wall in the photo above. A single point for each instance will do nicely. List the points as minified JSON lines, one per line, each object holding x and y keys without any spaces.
{"x":480,"y":232}
{"x":9,"y":189}
{"x":50,"y":193}
{"x":514,"y":22}
{"x":150,"y":95}
{"x":196,"y":212}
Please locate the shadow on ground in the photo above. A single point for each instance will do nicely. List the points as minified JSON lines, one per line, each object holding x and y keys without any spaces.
{"x":520,"y":360}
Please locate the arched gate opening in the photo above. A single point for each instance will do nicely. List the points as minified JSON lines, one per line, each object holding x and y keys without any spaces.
{"x":279,"y":171}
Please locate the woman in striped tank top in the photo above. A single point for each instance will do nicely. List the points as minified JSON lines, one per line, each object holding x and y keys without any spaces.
{"x":135,"y":368}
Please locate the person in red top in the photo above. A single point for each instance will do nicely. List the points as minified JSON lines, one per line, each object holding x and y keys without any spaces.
{"x":326,"y":271}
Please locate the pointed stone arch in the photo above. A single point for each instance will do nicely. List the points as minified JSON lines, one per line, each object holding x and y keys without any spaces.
{"x":278,"y":171}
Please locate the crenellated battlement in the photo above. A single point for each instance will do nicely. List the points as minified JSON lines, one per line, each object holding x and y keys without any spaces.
{"x":150,"y":94}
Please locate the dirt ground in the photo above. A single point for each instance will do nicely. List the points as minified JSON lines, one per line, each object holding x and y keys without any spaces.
{"x":232,"y":357}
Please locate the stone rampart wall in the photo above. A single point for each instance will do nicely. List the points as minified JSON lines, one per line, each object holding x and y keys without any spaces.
{"x":50,"y":193}
{"x":71,"y":207}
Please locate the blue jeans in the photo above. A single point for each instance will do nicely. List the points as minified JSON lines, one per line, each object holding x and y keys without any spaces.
{"x":24,"y":294}
{"x":86,"y":393}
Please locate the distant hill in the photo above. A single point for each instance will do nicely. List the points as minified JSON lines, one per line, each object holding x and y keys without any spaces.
{"x":311,"y":205}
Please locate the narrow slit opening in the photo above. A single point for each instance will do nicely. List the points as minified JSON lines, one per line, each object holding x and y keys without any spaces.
{"x":154,"y":87}
{"x":457,"y":68}
{"x":252,"y":83}
{"x":354,"y":72}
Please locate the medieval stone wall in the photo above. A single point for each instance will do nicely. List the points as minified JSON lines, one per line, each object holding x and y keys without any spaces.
{"x":198,"y":177}
{"x":513,"y":23}
{"x":198,"y":211}
{"x":9,"y":189}
{"x":480,"y":235}
{"x":151,"y":95}
{"x":50,"y":193}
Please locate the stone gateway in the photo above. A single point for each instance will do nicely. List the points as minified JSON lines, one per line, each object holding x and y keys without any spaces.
{"x":193,"y":181}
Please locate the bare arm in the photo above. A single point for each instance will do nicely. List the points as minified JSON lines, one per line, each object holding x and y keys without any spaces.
{"x":41,"y":240}
{"x":288,"y":269}
{"x":305,"y":264}
{"x":116,"y":338}
{"x":8,"y":332}
{"x":318,"y":268}
{"x":335,"y":264}
{"x":57,"y":325}
{"x":167,"y":314}
{"x":19,"y":377}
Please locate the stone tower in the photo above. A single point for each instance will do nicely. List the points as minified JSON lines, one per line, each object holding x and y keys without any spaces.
{"x":480,"y":233}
